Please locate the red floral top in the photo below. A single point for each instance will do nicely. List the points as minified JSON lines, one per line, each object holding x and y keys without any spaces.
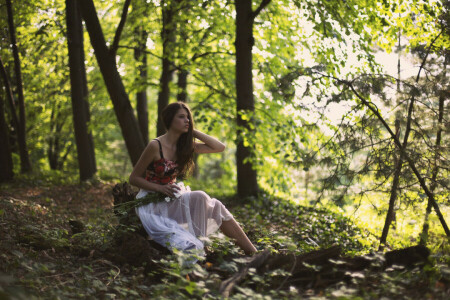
{"x":162,"y":171}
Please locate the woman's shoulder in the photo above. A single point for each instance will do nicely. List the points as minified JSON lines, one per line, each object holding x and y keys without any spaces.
{"x":151,"y":149}
{"x":154,"y":144}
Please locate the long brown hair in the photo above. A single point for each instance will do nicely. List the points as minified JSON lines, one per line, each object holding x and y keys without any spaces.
{"x":185,"y":144}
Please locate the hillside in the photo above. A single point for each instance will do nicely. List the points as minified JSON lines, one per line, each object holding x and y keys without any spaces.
{"x":57,"y":241}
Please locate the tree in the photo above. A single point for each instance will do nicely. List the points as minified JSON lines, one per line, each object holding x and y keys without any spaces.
{"x":6,"y":162}
{"x":106,"y":61}
{"x":168,"y":33}
{"x":141,"y":95}
{"x":80,"y":106}
{"x":245,"y":16}
{"x":25,"y":164}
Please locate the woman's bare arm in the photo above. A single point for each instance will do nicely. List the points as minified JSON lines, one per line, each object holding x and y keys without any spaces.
{"x":137,"y":176}
{"x":210,"y":144}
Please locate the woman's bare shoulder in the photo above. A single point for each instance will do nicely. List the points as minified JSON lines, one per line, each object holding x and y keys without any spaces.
{"x":152,"y":146}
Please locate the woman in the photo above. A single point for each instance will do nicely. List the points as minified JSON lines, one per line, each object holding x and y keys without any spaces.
{"x":177,"y":223}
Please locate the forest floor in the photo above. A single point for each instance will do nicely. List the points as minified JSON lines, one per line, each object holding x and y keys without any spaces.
{"x":54,"y":239}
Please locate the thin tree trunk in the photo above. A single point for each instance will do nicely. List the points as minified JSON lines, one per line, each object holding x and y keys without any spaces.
{"x":122,"y":106}
{"x":411,"y":164}
{"x":9,"y":95}
{"x":168,"y":38}
{"x":25,"y":165}
{"x":398,"y":162}
{"x":53,"y":150}
{"x":6,"y":163}
{"x":399,"y":49}
{"x":123,"y":19}
{"x":141,"y":95}
{"x":182,"y":85}
{"x":426,"y":225}
{"x":247,"y":184}
{"x":393,"y":197}
{"x":80,"y":106}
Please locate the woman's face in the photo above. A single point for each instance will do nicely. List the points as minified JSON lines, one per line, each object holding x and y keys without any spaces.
{"x":180,"y":121}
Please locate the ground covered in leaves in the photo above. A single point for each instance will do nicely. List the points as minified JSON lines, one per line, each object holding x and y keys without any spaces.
{"x":55,"y":239}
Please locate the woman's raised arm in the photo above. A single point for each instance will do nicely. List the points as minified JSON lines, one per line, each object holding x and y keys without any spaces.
{"x":211,"y":145}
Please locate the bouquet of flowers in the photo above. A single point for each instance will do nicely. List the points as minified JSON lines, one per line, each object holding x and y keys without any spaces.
{"x":183,"y":189}
{"x":151,"y":197}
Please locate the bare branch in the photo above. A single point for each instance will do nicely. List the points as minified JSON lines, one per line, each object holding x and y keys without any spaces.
{"x":261,"y":6}
{"x":115,"y":44}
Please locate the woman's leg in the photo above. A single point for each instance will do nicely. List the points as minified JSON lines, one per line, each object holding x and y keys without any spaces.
{"x":232,"y":230}
{"x":202,"y":208}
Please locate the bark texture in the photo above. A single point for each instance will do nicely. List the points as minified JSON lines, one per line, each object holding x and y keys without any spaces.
{"x":80,"y":106}
{"x":247,"y":184}
{"x":106,"y":61}
{"x":25,"y":164}
{"x":141,"y":95}
{"x":168,"y":38}
{"x":6,"y":163}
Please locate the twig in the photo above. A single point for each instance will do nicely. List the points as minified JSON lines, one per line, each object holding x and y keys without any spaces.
{"x":227,"y":286}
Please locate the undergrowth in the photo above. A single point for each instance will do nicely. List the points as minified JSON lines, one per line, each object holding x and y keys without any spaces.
{"x":52,"y":237}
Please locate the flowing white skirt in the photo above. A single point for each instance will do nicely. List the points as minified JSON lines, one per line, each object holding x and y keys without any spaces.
{"x":178,"y":223}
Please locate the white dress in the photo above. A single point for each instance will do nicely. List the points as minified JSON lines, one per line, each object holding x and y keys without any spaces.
{"x":178,"y":223}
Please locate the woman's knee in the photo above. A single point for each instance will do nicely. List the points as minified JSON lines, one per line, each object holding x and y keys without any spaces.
{"x":199,"y":198}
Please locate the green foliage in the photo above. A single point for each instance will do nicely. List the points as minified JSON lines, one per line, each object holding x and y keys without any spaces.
{"x":301,"y":49}
{"x":75,"y":265}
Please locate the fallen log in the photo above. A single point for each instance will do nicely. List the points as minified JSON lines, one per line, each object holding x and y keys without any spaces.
{"x":227,"y":286}
{"x":322,"y":268}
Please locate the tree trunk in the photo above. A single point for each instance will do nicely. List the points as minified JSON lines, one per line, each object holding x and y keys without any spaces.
{"x":25,"y":164}
{"x":141,"y":95}
{"x":247,"y":184}
{"x":9,"y":95}
{"x":6,"y":163}
{"x":54,"y":144}
{"x":182,"y":85}
{"x":411,"y":164}
{"x":80,"y":106}
{"x":168,"y":38}
{"x":122,"y":106}
{"x":390,"y":213}
{"x":426,"y":225}
{"x":398,"y":163}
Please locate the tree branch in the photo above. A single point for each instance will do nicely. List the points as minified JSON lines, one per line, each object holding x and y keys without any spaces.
{"x":405,"y":156}
{"x":261,"y":6}
{"x":115,"y":44}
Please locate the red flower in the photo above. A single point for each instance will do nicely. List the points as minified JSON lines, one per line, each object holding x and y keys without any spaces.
{"x":159,"y":169}
{"x":165,"y":180}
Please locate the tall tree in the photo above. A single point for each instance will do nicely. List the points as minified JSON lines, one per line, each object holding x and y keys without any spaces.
{"x":79,"y":92}
{"x":6,"y":163}
{"x":443,"y":95}
{"x":58,"y":145}
{"x":106,"y":61}
{"x":247,"y":184}
{"x":25,"y":164}
{"x":168,"y":41}
{"x":141,"y":95}
{"x":10,"y":97}
{"x":398,"y":167}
